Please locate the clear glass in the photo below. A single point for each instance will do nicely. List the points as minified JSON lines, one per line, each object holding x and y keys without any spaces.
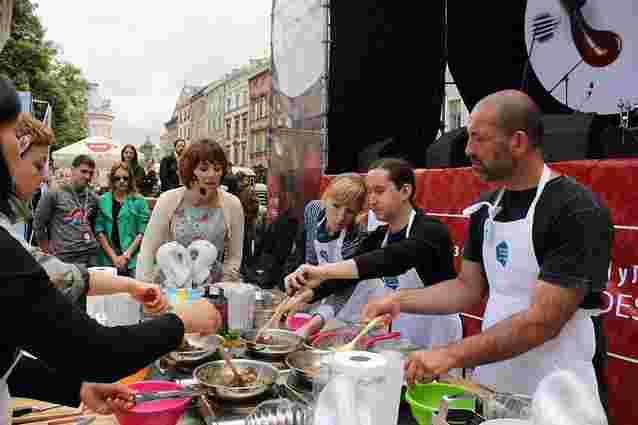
{"x":326,"y":372}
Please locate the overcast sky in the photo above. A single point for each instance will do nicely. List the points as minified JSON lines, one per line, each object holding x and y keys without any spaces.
{"x":141,"y":52}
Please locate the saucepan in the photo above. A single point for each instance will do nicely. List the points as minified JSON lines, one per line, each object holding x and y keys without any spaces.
{"x":216,"y":375}
{"x":276,"y":345}
{"x":305,"y":366}
{"x":327,"y":341}
{"x":196,"y":348}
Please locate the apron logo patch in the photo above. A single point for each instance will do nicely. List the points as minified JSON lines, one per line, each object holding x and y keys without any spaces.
{"x":502,"y":253}
{"x":391,"y":282}
{"x":324,"y":254}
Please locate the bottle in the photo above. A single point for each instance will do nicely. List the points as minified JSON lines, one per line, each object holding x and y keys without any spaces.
{"x":215,"y":296}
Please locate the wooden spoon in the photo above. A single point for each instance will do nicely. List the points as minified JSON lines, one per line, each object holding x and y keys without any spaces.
{"x":238,"y":380}
{"x":276,"y":317}
{"x":352,"y":344}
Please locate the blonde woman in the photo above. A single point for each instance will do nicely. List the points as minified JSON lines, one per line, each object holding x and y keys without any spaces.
{"x":331,"y":234}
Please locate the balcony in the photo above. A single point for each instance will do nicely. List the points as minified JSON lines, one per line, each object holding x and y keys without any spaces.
{"x":260,"y":123}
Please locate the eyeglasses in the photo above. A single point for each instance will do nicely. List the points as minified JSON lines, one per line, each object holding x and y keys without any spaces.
{"x":120,"y":178}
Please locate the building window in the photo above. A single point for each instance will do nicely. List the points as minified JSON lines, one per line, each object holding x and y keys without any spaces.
{"x":264,"y":107}
{"x":237,"y":100}
{"x":188,"y":133}
{"x":236,"y":126}
{"x":243,"y":154}
{"x":255,"y":116}
{"x":244,"y":123}
{"x":259,"y":142}
{"x":228,"y":104}
{"x":236,"y":154}
{"x":228,"y":124}
{"x":455,"y":114}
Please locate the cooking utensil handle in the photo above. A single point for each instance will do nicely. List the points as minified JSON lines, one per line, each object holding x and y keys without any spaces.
{"x":391,"y":335}
{"x":320,"y":335}
{"x":365,"y":330}
{"x":276,"y":315}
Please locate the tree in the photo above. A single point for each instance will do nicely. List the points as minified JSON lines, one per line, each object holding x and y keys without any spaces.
{"x":33,"y":64}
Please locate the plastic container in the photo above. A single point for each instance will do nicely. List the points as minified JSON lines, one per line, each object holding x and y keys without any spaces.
{"x":297,"y":320}
{"x":425,"y":399}
{"x":157,"y":412}
{"x":216,"y":297}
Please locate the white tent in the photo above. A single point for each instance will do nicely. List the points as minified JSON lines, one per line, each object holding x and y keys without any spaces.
{"x":103,"y":150}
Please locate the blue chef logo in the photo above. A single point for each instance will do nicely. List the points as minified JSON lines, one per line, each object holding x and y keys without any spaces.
{"x":502,"y":253}
{"x":324,"y":255}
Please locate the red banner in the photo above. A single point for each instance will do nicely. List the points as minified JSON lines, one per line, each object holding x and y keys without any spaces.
{"x":445,"y":193}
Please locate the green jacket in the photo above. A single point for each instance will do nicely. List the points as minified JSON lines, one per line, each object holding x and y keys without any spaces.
{"x":131,"y":221}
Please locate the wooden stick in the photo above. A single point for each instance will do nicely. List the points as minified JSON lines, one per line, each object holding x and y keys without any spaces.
{"x":275,"y":318}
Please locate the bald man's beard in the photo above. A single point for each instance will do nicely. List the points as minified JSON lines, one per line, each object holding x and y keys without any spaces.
{"x":500,"y":168}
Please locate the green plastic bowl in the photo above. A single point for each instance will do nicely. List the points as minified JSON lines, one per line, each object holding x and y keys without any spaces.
{"x":425,"y":399}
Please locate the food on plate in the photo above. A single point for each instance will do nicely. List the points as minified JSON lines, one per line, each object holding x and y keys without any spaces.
{"x":185,"y":346}
{"x":248,"y":377}
{"x":232,"y":343}
{"x":265,"y":339}
{"x":224,"y":376}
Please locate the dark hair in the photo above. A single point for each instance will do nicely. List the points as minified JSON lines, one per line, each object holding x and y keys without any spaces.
{"x":400,"y":172}
{"x":9,"y":101}
{"x":196,"y":152}
{"x":136,"y":169}
{"x":83,"y":160}
{"x":134,"y":160}
{"x":250,"y":202}
{"x":9,"y":111}
{"x":177,"y":141}
{"x":132,"y":188}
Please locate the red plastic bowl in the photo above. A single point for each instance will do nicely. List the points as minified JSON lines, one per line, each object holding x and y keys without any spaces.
{"x":297,"y":320}
{"x":157,"y":412}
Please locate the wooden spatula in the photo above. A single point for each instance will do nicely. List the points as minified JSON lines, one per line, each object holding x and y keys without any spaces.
{"x":352,"y":344}
{"x":238,"y":380}
{"x":276,"y":317}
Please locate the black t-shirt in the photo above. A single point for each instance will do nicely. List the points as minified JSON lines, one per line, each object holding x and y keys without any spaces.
{"x":572,"y":234}
{"x":71,"y":347}
{"x":428,"y":249}
{"x":115,"y":234}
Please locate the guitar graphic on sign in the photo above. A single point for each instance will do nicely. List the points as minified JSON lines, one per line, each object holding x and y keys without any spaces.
{"x":582,"y":51}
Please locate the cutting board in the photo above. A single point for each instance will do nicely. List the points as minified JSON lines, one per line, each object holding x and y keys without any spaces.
{"x":52,"y":414}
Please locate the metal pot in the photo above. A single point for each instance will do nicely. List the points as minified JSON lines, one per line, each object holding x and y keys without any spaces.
{"x":326,"y":342}
{"x":305,"y":366}
{"x":267,"y":374}
{"x":283,"y":343}
{"x":204,"y":347}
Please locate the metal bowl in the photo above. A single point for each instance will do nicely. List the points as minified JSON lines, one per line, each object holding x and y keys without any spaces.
{"x":326,"y":341}
{"x":203,"y":348}
{"x":284,"y":342}
{"x":305,"y":366}
{"x":210,"y":375}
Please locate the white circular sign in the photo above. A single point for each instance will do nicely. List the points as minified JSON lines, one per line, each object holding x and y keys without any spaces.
{"x":597,"y":47}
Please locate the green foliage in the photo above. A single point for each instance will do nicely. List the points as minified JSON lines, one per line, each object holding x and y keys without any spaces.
{"x":33,"y":63}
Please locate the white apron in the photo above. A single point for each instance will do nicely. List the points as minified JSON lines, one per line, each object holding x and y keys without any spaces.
{"x":5,"y":397}
{"x":422,"y":330}
{"x":512,"y":272}
{"x":329,"y":252}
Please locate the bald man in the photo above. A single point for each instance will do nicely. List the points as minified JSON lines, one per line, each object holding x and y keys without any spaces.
{"x":539,"y":246}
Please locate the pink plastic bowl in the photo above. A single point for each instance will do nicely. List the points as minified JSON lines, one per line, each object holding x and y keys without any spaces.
{"x":297,"y":320}
{"x":157,"y":412}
